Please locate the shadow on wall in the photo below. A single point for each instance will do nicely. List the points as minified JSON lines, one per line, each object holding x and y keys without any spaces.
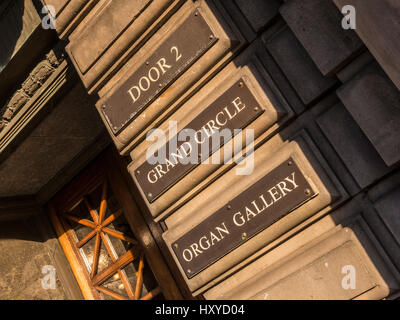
{"x":11,"y":13}
{"x":21,"y":230}
{"x":25,"y":259}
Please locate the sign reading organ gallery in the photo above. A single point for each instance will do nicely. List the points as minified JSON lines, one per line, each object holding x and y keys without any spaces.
{"x":268,"y":200}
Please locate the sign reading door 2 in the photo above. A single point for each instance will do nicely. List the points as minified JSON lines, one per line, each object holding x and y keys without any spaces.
{"x":168,"y":61}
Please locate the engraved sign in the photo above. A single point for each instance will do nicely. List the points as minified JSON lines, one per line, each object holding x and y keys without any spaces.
{"x":234,"y":109}
{"x":172,"y":58}
{"x":271,"y":198}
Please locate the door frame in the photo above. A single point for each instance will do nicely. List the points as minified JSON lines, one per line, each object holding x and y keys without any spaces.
{"x":109,"y":165}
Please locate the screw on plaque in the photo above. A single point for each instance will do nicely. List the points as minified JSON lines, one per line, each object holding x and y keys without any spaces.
{"x":149,"y":194}
{"x":290,"y":163}
{"x":189,"y":271}
{"x":307,"y":192}
{"x":244,"y":236}
{"x":229,"y":207}
{"x":147,"y":63}
{"x":211,"y":36}
{"x":241,"y":84}
{"x":256,"y":109}
{"x":196,"y":13}
{"x":176,"y":245}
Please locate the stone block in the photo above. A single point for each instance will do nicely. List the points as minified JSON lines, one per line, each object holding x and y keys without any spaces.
{"x":382,"y":214}
{"x":113,"y":29}
{"x":69,"y":13}
{"x":23,"y":256}
{"x":355,"y":67}
{"x":259,"y":12}
{"x":102,"y":30}
{"x":265,"y":112}
{"x":352,"y":146}
{"x":282,"y":82}
{"x":68,"y":130}
{"x":325,"y":192}
{"x":319,"y":270}
{"x":317,"y":25}
{"x":131,"y":103}
{"x":388,"y":209}
{"x":18,"y":21}
{"x":377,"y":24}
{"x":297,"y":65}
{"x":373,"y":101}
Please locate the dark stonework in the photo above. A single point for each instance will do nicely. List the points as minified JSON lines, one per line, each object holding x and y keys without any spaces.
{"x":259,"y":12}
{"x":25,"y":251}
{"x":378,"y":26}
{"x":69,"y":129}
{"x":374,"y":102}
{"x":297,"y":65}
{"x":353,"y":147}
{"x":317,"y":25}
{"x":388,"y":209}
{"x":18,"y":20}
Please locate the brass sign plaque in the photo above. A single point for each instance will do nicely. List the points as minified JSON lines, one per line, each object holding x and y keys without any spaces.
{"x":172,"y":58}
{"x":234,"y":109}
{"x":268,"y":200}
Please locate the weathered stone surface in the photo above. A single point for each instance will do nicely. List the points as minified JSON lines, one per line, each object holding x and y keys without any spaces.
{"x":388,"y":210}
{"x":313,"y":267}
{"x":37,"y":77}
{"x":259,"y":12}
{"x":384,"y":187}
{"x":350,"y":70}
{"x":111,"y":32}
{"x":378,"y":26}
{"x":23,"y":255}
{"x":104,"y":28}
{"x":18,"y":99}
{"x":216,"y":196}
{"x":3,"y":124}
{"x":7,"y":116}
{"x":58,"y":5}
{"x":297,"y":65}
{"x":18,"y":20}
{"x":188,"y":72}
{"x":69,"y":13}
{"x":353,"y":147}
{"x":247,"y":69}
{"x":72,"y":126}
{"x":374,"y":103}
{"x":321,"y":278}
{"x":382,"y":214}
{"x":317,"y":25}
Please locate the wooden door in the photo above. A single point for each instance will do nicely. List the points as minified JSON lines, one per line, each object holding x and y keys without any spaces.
{"x":108,"y":244}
